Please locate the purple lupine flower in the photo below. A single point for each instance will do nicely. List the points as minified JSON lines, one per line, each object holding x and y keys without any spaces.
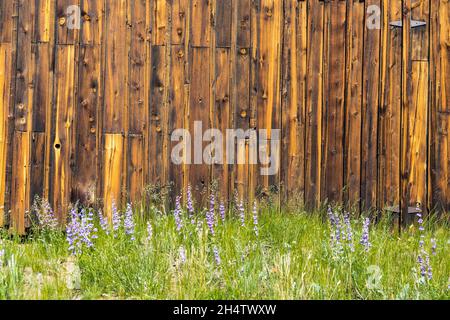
{"x":93,"y":229}
{"x":433,"y":246}
{"x":177,"y":213}
{"x":149,"y":231}
{"x":420,"y":221}
{"x":44,"y":214}
{"x":80,"y":230}
{"x":365,"y":241}
{"x":242,"y":213}
{"x":210,"y":215}
{"x":217,"y":255}
{"x":424,"y":264}
{"x":335,"y":232}
{"x":255,"y":218}
{"x":349,"y":231}
{"x":182,"y":253}
{"x":73,"y":230}
{"x":128,"y":222}
{"x":190,"y":204}
{"x":421,"y":265}
{"x":335,"y":226}
{"x":116,"y":219}
{"x":429,"y":269}
{"x":86,"y":229}
{"x":222,"y":211}
{"x":103,"y":222}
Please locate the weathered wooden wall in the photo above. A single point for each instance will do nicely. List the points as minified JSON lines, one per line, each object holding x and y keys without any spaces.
{"x":87,"y":114}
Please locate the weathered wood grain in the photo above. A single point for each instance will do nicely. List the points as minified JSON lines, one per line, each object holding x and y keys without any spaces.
{"x":5,"y":78}
{"x":353,"y":108}
{"x":87,"y":114}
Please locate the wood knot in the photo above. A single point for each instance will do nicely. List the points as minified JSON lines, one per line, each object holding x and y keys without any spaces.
{"x":243,"y":51}
{"x":62,"y":21}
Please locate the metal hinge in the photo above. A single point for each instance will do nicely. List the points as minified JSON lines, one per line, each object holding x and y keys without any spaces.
{"x":414,"y":24}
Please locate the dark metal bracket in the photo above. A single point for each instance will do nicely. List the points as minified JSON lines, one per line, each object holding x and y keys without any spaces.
{"x":414,"y":24}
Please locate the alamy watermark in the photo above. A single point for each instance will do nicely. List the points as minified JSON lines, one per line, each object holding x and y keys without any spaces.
{"x":73,"y":14}
{"x":231,"y":147}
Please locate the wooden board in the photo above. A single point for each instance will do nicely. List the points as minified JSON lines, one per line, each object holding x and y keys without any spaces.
{"x":5,"y":76}
{"x":363,"y":112}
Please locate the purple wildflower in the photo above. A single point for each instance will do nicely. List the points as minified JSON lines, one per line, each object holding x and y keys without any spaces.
{"x":210,"y":220}
{"x":335,"y":232}
{"x":177,"y":213}
{"x":190,"y":204}
{"x":87,"y":229}
{"x":255,"y":218}
{"x":217,"y":255}
{"x":424,"y":264}
{"x":421,"y":265}
{"x":349,"y":231}
{"x":222,"y":211}
{"x":128,"y":222}
{"x":365,"y":241}
{"x":116,"y":218}
{"x":93,"y":229}
{"x":429,"y":269}
{"x":103,"y":223}
{"x":433,"y":246}
{"x":80,"y":230}
{"x":44,"y":214}
{"x":73,"y":232}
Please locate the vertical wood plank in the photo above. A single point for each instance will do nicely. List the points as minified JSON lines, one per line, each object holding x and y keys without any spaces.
{"x":37,"y":163}
{"x":177,"y":111}
{"x":157,"y":105}
{"x":199,"y":172}
{"x":112,"y":172}
{"x":335,"y":96}
{"x":405,"y":146}
{"x":353,"y":109}
{"x":201,"y":26}
{"x":222,"y":110}
{"x":137,"y":111}
{"x":116,"y":59}
{"x":390,"y":112}
{"x":64,"y":135}
{"x":159,"y":22}
{"x":269,"y":82}
{"x":20,"y":189}
{"x":439,"y":86}
{"x":66,"y":34}
{"x":92,"y":20}
{"x":88,"y":103}
{"x":293,"y":100}
{"x":44,"y":17}
{"x":180,"y":10}
{"x":6,"y":21}
{"x":369,"y":133}
{"x":313,"y":141}
{"x":5,"y":86}
{"x":135,"y":162}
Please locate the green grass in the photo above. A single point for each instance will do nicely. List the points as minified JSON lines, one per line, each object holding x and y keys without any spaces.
{"x":291,"y":258}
